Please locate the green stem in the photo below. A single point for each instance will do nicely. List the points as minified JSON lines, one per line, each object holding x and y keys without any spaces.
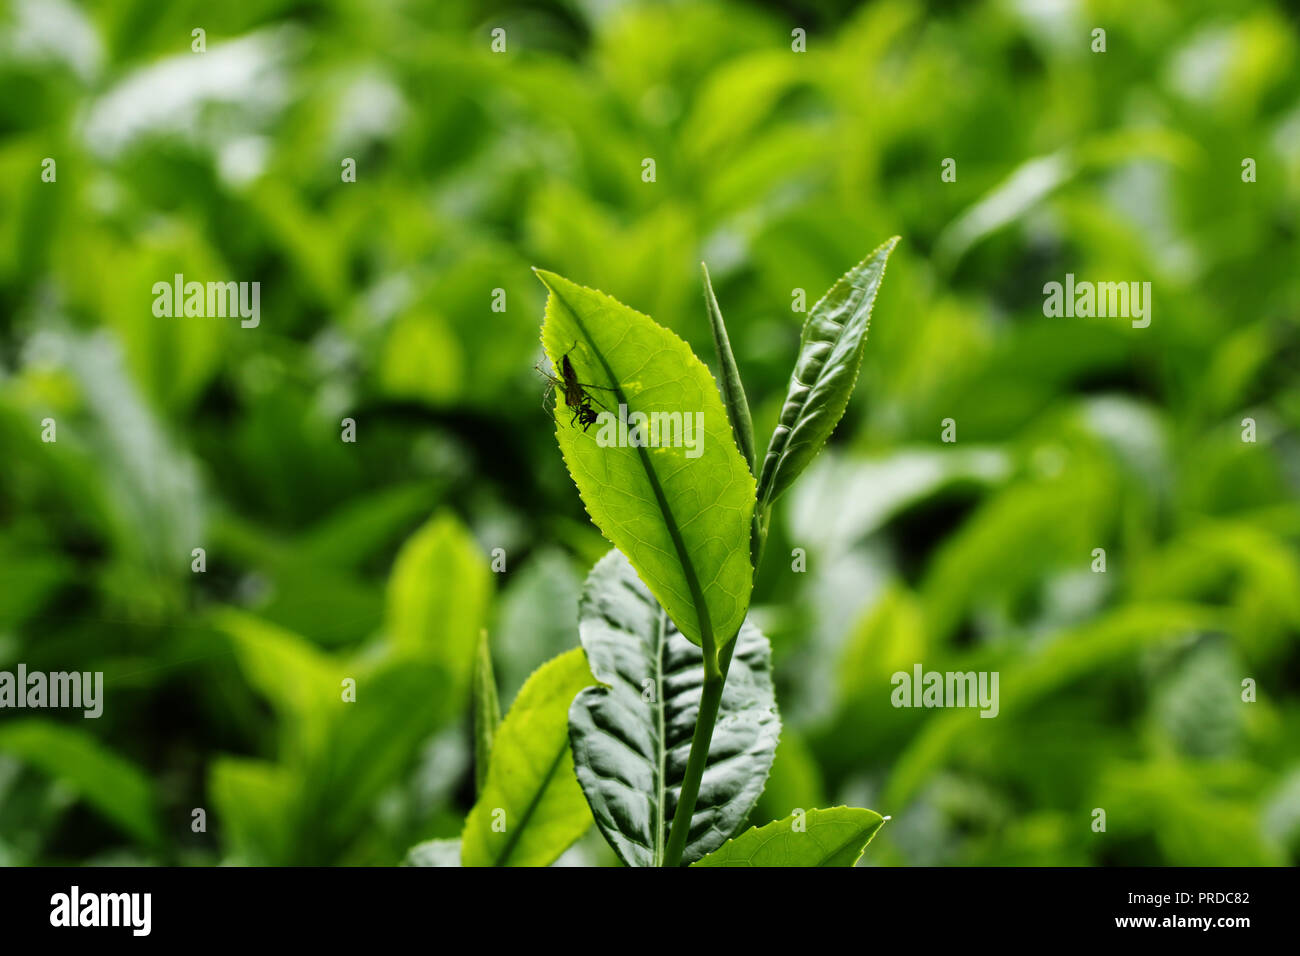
{"x":716,"y":666}
{"x":715,"y":679}
{"x":758,"y":536}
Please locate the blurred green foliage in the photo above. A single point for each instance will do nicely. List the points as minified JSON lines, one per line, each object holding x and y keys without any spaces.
{"x":370,"y":561}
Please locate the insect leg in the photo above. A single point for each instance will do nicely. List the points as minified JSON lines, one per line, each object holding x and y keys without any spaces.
{"x":589,"y":399}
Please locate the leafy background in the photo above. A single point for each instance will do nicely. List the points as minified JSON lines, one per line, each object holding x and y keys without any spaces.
{"x":325,"y":559}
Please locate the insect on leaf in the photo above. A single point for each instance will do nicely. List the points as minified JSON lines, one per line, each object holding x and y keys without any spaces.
{"x":680,"y":509}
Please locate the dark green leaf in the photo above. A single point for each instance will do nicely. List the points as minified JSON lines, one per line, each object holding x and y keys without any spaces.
{"x":830,"y":354}
{"x":632,"y":736}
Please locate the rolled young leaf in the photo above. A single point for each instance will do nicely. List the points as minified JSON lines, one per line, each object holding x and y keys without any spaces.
{"x":729,"y":384}
{"x":681,"y":511}
{"x":631,"y":736}
{"x":830,"y":354}
{"x":531,"y":809}
{"x":834,"y":837}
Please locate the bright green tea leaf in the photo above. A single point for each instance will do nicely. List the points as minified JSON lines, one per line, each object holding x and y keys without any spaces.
{"x":680,"y":511}
{"x":422,"y":360}
{"x":255,"y":802}
{"x":830,"y":354}
{"x":632,"y":735}
{"x":438,"y":597}
{"x":300,"y":681}
{"x":531,"y":808}
{"x":834,"y":837}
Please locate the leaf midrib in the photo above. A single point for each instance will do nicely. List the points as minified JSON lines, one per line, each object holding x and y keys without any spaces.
{"x":527,"y":815}
{"x":849,"y":842}
{"x":786,"y":432}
